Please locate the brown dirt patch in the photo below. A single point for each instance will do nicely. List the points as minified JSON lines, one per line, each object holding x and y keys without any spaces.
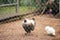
{"x":15,"y":31}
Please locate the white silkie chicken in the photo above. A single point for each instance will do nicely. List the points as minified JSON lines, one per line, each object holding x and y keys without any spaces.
{"x":28,"y":25}
{"x":50,"y":30}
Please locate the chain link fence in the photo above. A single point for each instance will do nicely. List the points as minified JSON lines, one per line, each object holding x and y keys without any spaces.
{"x":26,"y":7}
{"x":8,"y":8}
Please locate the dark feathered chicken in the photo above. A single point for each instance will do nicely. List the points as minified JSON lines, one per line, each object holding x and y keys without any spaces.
{"x":28,"y":25}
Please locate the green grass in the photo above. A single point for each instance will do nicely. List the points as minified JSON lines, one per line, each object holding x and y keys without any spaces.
{"x":26,"y":9}
{"x":7,"y":10}
{"x":22,"y":9}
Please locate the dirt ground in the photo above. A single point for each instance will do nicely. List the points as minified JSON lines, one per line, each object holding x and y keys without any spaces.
{"x":15,"y":31}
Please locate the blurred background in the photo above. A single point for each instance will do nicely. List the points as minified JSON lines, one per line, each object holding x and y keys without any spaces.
{"x":10,"y":8}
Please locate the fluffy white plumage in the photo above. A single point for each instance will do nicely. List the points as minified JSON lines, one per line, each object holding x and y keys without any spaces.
{"x":50,"y":30}
{"x":33,"y":22}
{"x":28,"y":22}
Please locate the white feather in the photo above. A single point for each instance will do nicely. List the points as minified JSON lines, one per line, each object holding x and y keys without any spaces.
{"x":33,"y":22}
{"x":50,"y":30}
{"x":28,"y":22}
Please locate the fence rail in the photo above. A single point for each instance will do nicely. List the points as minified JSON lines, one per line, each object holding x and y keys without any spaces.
{"x":8,"y":4}
{"x":11,"y":4}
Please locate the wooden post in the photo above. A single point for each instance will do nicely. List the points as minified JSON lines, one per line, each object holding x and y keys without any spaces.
{"x":17,"y":5}
{"x":30,"y":6}
{"x":59,"y":6}
{"x":44,"y":8}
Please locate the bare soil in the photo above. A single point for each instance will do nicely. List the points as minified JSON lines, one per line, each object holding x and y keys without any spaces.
{"x":15,"y":31}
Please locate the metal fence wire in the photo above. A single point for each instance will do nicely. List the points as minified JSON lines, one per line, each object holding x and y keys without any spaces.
{"x":8,"y":7}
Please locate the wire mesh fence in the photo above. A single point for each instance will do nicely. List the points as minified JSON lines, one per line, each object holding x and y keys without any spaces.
{"x":8,"y":8}
{"x":27,"y":6}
